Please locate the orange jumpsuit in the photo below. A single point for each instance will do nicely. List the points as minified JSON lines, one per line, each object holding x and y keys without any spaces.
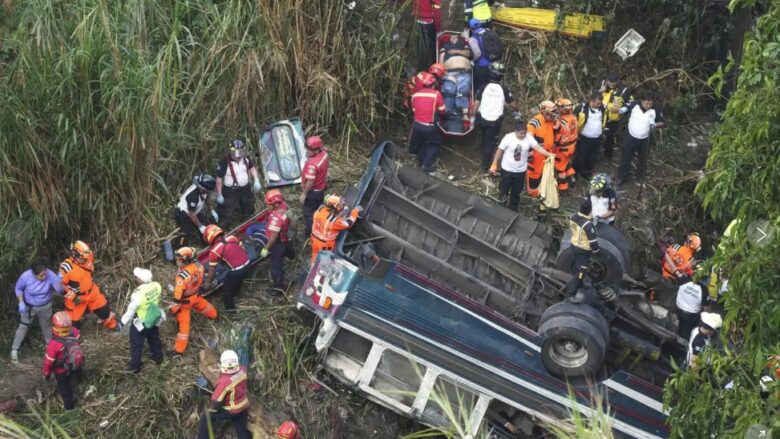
{"x":682,"y":256}
{"x":544,"y":133}
{"x":82,"y":294}
{"x":186,"y":297}
{"x":327,"y":225}
{"x":565,"y":142}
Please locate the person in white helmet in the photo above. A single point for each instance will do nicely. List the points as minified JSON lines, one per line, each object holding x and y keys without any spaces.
{"x":229,"y":401}
{"x":701,"y":337}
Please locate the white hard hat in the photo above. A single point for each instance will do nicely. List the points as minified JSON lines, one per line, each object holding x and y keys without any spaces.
{"x":712,"y":320}
{"x":228,"y":362}
{"x":142,"y":274}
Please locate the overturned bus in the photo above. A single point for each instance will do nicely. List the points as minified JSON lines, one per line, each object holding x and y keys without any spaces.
{"x":450,"y":310}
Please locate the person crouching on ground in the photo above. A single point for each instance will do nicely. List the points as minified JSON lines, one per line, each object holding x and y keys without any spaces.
{"x":512,"y":155}
{"x":229,"y":402}
{"x":186,"y":296}
{"x":144,"y":311}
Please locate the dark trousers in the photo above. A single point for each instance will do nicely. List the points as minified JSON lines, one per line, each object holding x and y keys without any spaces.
{"x":610,"y":132}
{"x":633,"y":146}
{"x":189,"y":233}
{"x":312,"y":202}
{"x":137,"y":338}
{"x":579,"y":270}
{"x":231,"y":286}
{"x":686,"y":322}
{"x":481,"y":76}
{"x":66,"y":387}
{"x":490,"y":131}
{"x":586,"y":155}
{"x":426,"y":144}
{"x":278,"y":252}
{"x":238,"y":421}
{"x":427,"y":48}
{"x":240,"y":198}
{"x":511,"y":184}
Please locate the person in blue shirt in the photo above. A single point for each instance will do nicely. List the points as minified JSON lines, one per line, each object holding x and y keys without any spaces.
{"x":34,"y":292}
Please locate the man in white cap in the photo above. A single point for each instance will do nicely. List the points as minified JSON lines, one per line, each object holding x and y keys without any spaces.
{"x":144,"y":311}
{"x":701,"y":337}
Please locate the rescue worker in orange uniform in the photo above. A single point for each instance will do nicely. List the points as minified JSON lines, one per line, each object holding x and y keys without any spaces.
{"x":81,"y":292}
{"x":186,"y":296}
{"x":542,"y":128}
{"x":566,"y":135}
{"x":328,"y":222}
{"x":678,"y":259}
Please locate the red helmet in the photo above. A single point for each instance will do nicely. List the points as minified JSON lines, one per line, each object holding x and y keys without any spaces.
{"x":61,"y":324}
{"x":437,"y":69}
{"x":211,"y":233}
{"x":314,"y":142}
{"x":274,"y":196}
{"x":288,"y":430}
{"x":427,"y":79}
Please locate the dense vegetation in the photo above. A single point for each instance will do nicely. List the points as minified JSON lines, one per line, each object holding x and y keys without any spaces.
{"x":110,"y":106}
{"x":740,"y":183}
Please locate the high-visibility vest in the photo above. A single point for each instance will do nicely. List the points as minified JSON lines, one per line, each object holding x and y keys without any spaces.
{"x":150,"y":295}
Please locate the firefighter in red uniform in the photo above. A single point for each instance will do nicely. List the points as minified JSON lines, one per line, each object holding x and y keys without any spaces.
{"x":230,"y":250}
{"x":328,"y":222}
{"x":566,"y":136}
{"x":427,"y":13}
{"x":315,"y":180}
{"x":426,"y":139}
{"x":416,"y":83}
{"x":229,"y":401}
{"x":542,"y":127}
{"x":81,"y":292}
{"x":186,"y":296}
{"x":277,"y":232}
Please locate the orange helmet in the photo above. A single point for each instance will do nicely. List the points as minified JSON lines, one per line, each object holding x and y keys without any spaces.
{"x":211,"y":233}
{"x":274,"y":196}
{"x":61,"y":324}
{"x":288,"y":430}
{"x":333,"y":201}
{"x":186,"y":253}
{"x":546,"y":107}
{"x":427,"y":79}
{"x":437,"y":69}
{"x":80,"y":250}
{"x":693,"y":241}
{"x":564,"y":104}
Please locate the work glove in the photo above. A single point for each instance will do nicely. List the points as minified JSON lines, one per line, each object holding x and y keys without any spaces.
{"x":202,"y":229}
{"x":174,"y":309}
{"x":264,"y":252}
{"x":73,"y":296}
{"x":220,"y":199}
{"x":22,"y":307}
{"x":596,"y":220}
{"x":256,"y":186}
{"x":215,"y":215}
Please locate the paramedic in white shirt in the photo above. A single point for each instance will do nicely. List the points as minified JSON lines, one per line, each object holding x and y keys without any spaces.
{"x":643,"y":118}
{"x":512,"y":156}
{"x":590,"y":122}
{"x":692,"y":299}
{"x":234,"y":187}
{"x":603,"y":198}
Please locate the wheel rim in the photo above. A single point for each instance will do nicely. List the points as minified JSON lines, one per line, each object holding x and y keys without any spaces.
{"x":598,"y":271}
{"x":570,"y":353}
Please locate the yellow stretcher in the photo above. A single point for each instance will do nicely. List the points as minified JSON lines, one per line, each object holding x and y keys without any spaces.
{"x":576,"y":25}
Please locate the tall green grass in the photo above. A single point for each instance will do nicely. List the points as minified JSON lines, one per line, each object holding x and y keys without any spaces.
{"x":110,"y":106}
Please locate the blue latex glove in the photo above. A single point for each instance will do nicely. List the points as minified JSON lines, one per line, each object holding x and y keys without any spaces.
{"x":264,"y":252}
{"x":256,"y":186}
{"x":215,"y":215}
{"x":22,"y":307}
{"x":220,"y":199}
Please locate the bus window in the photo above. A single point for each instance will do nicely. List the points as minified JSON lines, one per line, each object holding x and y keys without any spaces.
{"x":347,"y":354}
{"x":449,"y":402}
{"x":398,"y":377}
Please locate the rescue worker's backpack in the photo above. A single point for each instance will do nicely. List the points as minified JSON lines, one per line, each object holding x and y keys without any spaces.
{"x":492,"y":48}
{"x":72,"y":355}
